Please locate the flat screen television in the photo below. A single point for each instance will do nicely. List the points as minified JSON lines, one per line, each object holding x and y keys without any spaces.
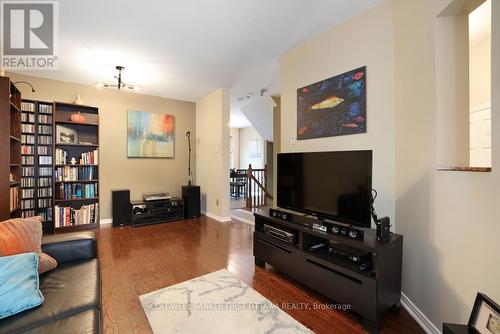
{"x":332,"y":185}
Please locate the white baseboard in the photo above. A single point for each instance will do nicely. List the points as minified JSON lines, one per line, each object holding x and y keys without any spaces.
{"x":418,"y":315}
{"x":243,"y":220}
{"x":106,"y":221}
{"x":216,"y":217}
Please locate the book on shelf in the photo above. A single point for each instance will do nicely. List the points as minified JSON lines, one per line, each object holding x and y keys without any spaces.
{"x":77,"y":191}
{"x":61,"y":157}
{"x":77,"y":173}
{"x":27,"y":139}
{"x":45,"y":108}
{"x":27,"y":193}
{"x":45,"y":160}
{"x":27,"y":204}
{"x":68,"y":216}
{"x":27,"y":149}
{"x":44,"y":119}
{"x":90,"y":158}
{"x":28,"y":106}
{"x":14,"y":198}
{"x":28,"y":128}
{"x":27,"y":117}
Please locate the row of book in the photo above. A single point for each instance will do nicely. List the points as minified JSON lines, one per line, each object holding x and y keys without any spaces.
{"x":27,"y":193}
{"x":27,"y":139}
{"x":45,"y":160}
{"x":28,"y":106}
{"x":45,"y":129}
{"x":45,"y":108}
{"x":28,"y":204}
{"x":45,"y":203}
{"x":76,"y":190}
{"x":28,"y":213}
{"x":44,"y":150}
{"x":27,"y":160}
{"x":69,"y":173}
{"x":44,"y":192}
{"x":46,"y":214}
{"x":26,"y":149}
{"x":45,"y":171}
{"x":27,"y":182}
{"x":28,"y":171}
{"x":27,"y":128}
{"x":27,"y":117}
{"x":44,"y":182}
{"x":90,"y":158}
{"x":45,"y":119}
{"x":67,"y":216}
{"x":14,"y":198}
{"x":61,"y":157}
{"x":46,"y":140}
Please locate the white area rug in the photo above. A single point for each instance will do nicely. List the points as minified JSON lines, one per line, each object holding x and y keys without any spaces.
{"x":215,"y":303}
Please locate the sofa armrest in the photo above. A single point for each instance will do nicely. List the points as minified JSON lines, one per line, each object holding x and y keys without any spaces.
{"x":70,"y":247}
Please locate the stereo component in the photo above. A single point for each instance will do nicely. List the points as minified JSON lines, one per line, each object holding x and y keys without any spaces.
{"x":122,"y":212}
{"x":152,"y":212}
{"x":348,"y":232}
{"x":279,"y":214}
{"x":280,"y":234}
{"x":320,"y":227}
{"x":352,"y":254}
{"x":383,"y":229}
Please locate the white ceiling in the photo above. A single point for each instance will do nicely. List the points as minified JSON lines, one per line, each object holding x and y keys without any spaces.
{"x":185,"y":49}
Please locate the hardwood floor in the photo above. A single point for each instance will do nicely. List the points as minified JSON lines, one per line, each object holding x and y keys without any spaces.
{"x":135,"y":261}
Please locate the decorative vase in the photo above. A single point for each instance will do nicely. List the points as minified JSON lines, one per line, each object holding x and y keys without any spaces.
{"x":77,"y":118}
{"x":78,"y":99}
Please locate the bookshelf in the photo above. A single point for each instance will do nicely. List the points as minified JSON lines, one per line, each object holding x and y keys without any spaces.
{"x":75,"y":167}
{"x":10,"y":149}
{"x":36,"y":159}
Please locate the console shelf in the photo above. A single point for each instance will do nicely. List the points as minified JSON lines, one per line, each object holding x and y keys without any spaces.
{"x":369,"y":293}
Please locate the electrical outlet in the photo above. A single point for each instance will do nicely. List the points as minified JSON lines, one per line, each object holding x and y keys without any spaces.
{"x":293,"y":139}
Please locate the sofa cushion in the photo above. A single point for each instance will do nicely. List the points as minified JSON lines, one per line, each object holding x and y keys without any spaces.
{"x":19,"y":284}
{"x":82,"y":323}
{"x":69,"y":247}
{"x":70,"y":289}
{"x":24,"y":236}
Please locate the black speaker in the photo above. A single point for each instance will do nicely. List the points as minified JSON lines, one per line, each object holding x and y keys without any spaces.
{"x":192,"y":201}
{"x":122,"y":210}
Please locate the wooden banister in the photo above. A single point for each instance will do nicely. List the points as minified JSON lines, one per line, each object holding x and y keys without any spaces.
{"x":257,"y":194}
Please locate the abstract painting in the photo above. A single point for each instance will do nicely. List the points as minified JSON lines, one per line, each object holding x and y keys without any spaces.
{"x":150,"y":135}
{"x":333,"y":107}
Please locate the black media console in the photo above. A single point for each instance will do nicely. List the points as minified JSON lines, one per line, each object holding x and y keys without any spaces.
{"x":369,"y":291}
{"x":154,"y":212}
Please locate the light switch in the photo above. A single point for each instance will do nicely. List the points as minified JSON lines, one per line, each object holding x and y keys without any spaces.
{"x":293,"y":139}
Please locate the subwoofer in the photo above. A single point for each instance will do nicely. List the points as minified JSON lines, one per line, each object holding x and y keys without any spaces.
{"x":192,"y":201}
{"x":122,"y":211}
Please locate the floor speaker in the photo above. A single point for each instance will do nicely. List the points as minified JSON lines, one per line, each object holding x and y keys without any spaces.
{"x":122,"y":211}
{"x":192,"y":201}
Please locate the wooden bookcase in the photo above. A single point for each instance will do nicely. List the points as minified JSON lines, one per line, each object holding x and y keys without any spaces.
{"x":36,"y":159}
{"x":75,"y":185}
{"x":10,"y":149}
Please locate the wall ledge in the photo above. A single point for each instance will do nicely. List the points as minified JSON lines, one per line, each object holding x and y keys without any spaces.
{"x":464,"y":169}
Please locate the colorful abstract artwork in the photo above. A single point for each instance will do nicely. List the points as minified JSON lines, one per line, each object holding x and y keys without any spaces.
{"x":333,"y":107}
{"x":150,"y":135}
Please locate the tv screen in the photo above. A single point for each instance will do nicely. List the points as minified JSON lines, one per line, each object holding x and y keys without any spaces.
{"x":334,"y":185}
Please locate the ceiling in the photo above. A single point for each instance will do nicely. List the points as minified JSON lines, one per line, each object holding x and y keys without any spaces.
{"x":185,"y":49}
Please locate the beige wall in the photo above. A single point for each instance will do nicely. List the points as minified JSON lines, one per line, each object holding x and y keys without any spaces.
{"x":480,"y":73}
{"x":212,"y":153}
{"x":276,"y":142}
{"x":449,"y":219}
{"x":247,"y":135}
{"x":235,"y":134}
{"x":364,"y":40}
{"x":116,"y":170}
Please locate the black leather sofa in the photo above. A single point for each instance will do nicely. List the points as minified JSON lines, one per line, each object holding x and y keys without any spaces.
{"x":72,"y":291}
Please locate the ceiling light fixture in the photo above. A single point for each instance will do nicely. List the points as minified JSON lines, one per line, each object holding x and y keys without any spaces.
{"x":120,"y":84}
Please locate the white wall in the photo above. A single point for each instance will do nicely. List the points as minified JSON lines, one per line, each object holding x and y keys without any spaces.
{"x":212,"y":153}
{"x":247,"y":135}
{"x":364,"y":40}
{"x":449,"y":219}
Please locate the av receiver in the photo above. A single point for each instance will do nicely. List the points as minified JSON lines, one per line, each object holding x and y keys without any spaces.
{"x":278,"y":233}
{"x":352,"y":254}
